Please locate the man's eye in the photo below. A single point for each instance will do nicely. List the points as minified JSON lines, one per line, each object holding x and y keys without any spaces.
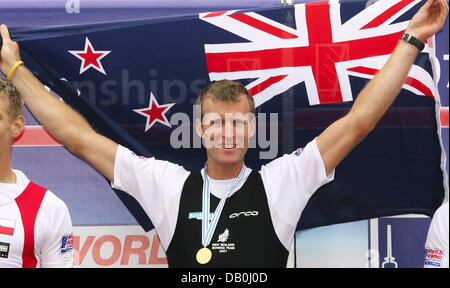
{"x":215,"y":123}
{"x":238,"y":123}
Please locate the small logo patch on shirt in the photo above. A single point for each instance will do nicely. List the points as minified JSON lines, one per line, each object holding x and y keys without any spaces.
{"x":434,"y":257}
{"x":66,"y":243}
{"x":198,"y":215}
{"x":139,"y":156}
{"x":222,"y":245}
{"x":4,"y":250}
{"x":7,"y":226}
{"x":298,"y":151}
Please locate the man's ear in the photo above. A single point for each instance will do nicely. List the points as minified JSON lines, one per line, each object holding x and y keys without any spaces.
{"x":18,"y":126}
{"x":198,"y":127}
{"x":252,"y":127}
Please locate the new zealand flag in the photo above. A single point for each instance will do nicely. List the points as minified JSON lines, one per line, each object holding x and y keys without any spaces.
{"x":306,"y":62}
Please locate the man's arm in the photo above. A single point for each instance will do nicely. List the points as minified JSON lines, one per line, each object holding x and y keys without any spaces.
{"x":56,"y":246}
{"x":374,"y":100}
{"x":61,"y":121}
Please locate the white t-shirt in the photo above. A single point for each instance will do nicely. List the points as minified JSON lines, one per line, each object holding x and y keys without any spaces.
{"x":437,"y":239}
{"x":289,"y":182}
{"x":52,"y":230}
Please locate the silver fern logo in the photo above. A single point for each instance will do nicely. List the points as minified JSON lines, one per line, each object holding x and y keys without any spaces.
{"x":224,"y":236}
{"x":222,"y":245}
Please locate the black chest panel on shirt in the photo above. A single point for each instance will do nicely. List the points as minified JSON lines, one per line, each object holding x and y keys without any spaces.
{"x":244,"y":236}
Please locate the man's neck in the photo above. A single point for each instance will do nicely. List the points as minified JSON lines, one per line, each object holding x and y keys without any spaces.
{"x":220,"y":172}
{"x":6,"y":173}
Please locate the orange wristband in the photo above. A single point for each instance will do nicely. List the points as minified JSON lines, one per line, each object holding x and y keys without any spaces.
{"x":13,"y":69}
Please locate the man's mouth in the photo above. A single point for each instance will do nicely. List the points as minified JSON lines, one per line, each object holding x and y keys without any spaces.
{"x":229,"y":146}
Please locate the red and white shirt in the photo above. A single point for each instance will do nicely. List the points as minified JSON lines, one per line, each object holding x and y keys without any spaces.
{"x":35,"y":226}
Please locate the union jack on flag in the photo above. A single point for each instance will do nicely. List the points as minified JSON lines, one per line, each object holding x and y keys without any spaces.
{"x":322,"y":50}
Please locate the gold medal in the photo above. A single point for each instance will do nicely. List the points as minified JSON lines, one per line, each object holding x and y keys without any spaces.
{"x":204,"y":255}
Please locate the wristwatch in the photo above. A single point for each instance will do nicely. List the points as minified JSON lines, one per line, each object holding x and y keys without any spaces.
{"x":413,"y":40}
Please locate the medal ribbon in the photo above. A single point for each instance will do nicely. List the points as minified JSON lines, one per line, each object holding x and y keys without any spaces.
{"x":207,"y":227}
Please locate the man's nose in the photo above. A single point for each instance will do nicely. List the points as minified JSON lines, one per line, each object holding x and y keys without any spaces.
{"x":228,"y":131}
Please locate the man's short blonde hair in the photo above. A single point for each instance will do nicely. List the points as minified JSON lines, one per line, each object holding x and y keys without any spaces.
{"x":13,"y":99}
{"x":226,"y":91}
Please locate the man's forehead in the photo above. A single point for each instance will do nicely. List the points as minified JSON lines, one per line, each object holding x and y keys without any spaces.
{"x":226,"y":115}
{"x":239,"y":105}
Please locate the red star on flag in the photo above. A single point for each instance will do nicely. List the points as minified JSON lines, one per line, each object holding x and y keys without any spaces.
{"x":155,"y":113}
{"x":90,"y":58}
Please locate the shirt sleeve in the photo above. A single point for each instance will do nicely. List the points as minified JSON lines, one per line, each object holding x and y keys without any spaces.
{"x":155,"y":184}
{"x":57,"y":247}
{"x":289,"y":182}
{"x":436,"y":245}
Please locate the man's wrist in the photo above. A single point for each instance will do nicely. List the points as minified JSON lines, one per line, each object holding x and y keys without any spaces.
{"x":13,"y":69}
{"x":411,"y":39}
{"x":18,"y":74}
